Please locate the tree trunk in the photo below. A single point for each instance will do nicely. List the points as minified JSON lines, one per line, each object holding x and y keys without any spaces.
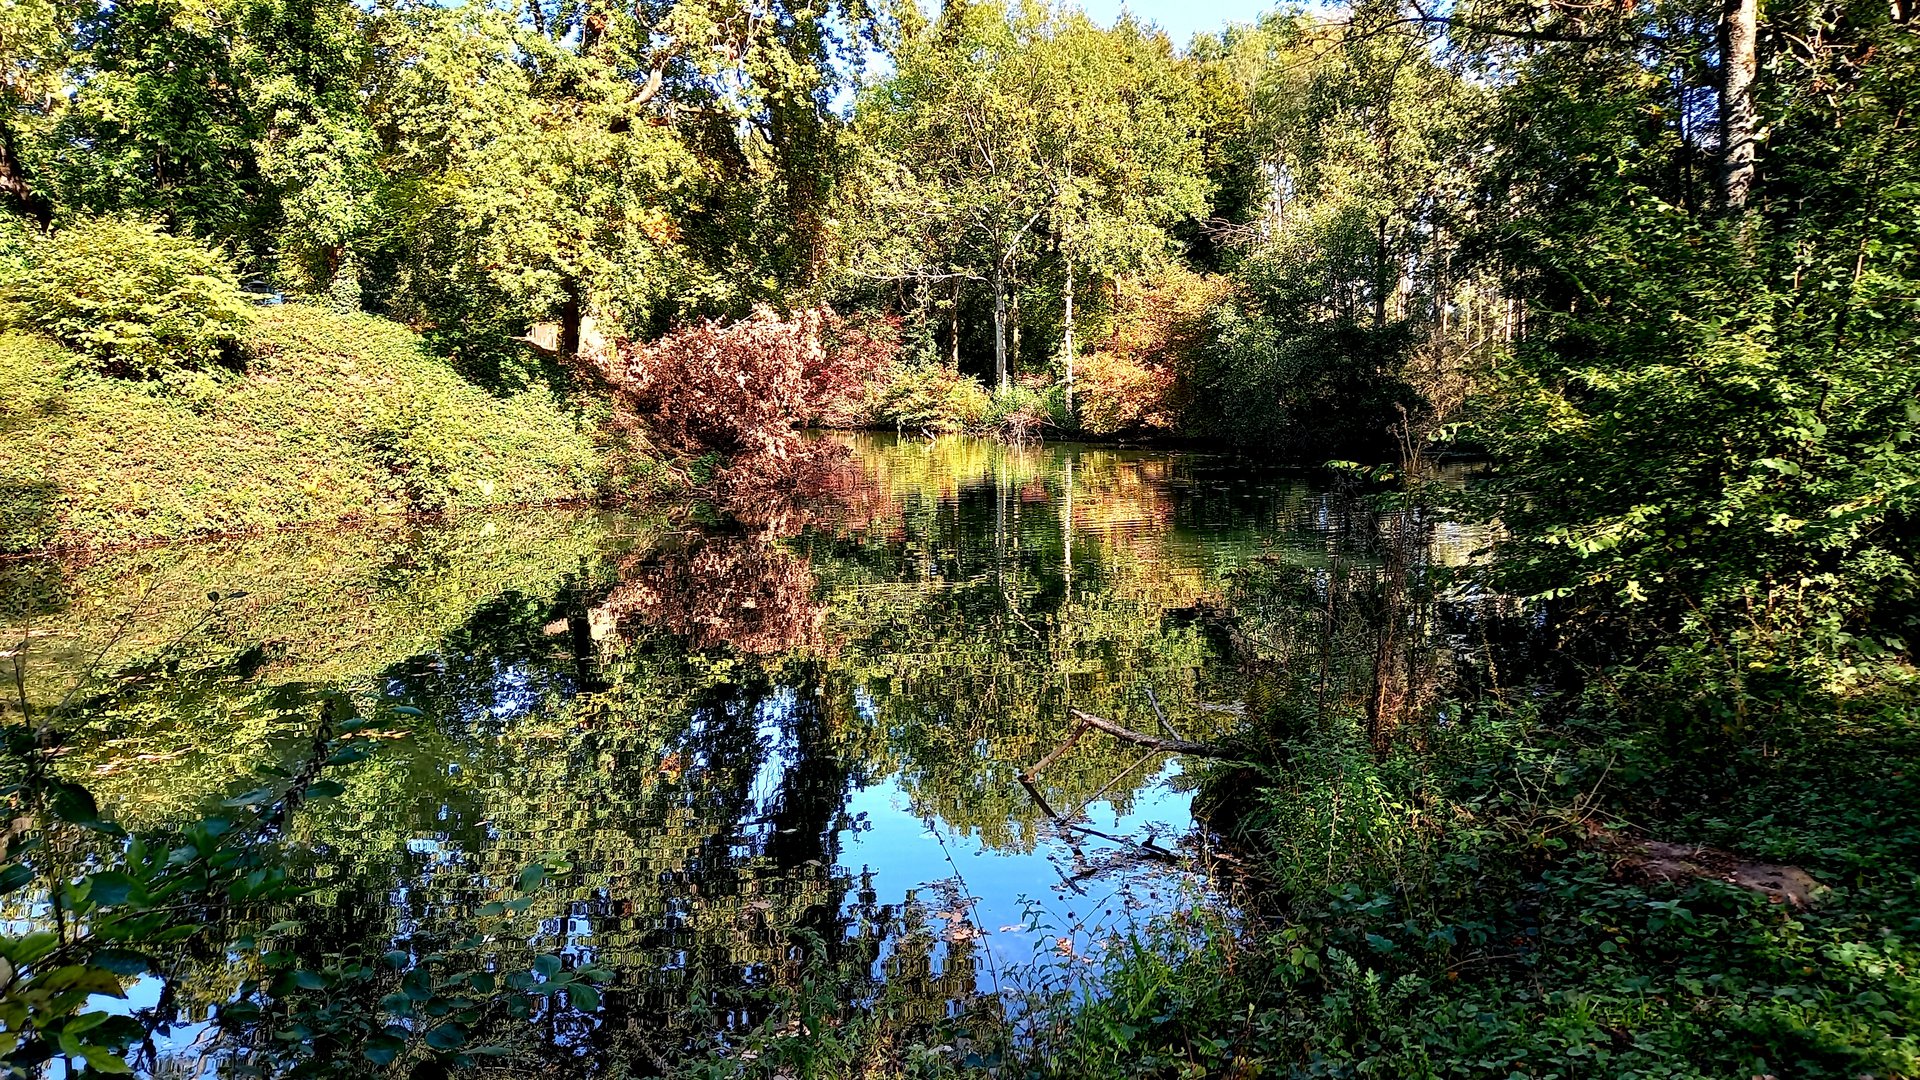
{"x":953,"y":329}
{"x":999,"y":327}
{"x":571,"y":313}
{"x":1013,"y":332}
{"x":14,"y":185}
{"x":1380,"y":273}
{"x":1739,"y":115}
{"x":1066,"y":342}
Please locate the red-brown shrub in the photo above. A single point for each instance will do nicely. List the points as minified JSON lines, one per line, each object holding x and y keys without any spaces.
{"x":740,"y":389}
{"x":744,"y":591}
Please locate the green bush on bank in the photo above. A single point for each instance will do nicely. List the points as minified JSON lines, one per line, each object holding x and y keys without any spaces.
{"x":129,"y":297}
{"x":927,"y":396}
{"x":335,"y":416}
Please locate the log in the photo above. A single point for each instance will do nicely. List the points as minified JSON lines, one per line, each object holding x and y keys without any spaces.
{"x":1151,"y":742}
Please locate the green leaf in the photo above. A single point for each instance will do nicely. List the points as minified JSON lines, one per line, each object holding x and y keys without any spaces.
{"x":532,"y":876}
{"x":85,"y":1022}
{"x":14,"y":876}
{"x":547,"y":964}
{"x":397,"y":957}
{"x":325,"y":789}
{"x":90,"y":980}
{"x":71,"y":802}
{"x":351,"y":753}
{"x":123,"y":961}
{"x":383,"y":1049}
{"x":449,"y":1036}
{"x":583,"y":997}
{"x":102,"y":1060}
{"x":112,"y":888}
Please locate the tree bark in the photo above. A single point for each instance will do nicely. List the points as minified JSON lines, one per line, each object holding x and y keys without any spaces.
{"x":15,"y":186}
{"x":1739,"y":114}
{"x":571,"y":313}
{"x":953,"y":328}
{"x":999,"y":327}
{"x":1066,"y":343}
{"x":1380,"y":272}
{"x":1013,"y":331}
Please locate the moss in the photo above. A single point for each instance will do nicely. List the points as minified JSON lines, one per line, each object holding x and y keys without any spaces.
{"x":335,"y":416}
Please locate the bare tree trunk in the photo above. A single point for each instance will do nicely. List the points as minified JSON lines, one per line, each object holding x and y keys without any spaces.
{"x":572,"y":311}
{"x":1013,"y":332}
{"x":999,"y":327}
{"x":953,"y":328}
{"x":1739,"y":115}
{"x":1066,"y":342}
{"x":1380,"y":273}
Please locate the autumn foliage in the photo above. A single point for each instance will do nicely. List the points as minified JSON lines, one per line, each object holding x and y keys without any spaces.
{"x":744,"y":591}
{"x":1135,"y":381}
{"x":741,"y":389}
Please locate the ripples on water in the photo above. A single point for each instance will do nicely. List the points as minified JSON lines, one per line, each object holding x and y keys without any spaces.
{"x":770,"y":748}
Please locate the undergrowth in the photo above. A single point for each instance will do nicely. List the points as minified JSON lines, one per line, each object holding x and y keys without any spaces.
{"x":333,"y":416}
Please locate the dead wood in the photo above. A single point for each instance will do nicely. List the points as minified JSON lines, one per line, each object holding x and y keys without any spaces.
{"x":1659,"y":861}
{"x":1151,"y":742}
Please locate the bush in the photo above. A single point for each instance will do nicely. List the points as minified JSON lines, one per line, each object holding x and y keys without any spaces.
{"x":337,"y":416}
{"x":130,"y":298}
{"x":927,"y":397}
{"x":739,"y":389}
{"x":1024,"y":408}
{"x":1138,"y":379}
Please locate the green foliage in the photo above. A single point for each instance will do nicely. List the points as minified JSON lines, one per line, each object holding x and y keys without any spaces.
{"x":132,"y":299}
{"x":152,"y":901}
{"x":1491,"y":939}
{"x":1319,"y":388}
{"x":1017,"y":141}
{"x":924,"y":396}
{"x":336,"y":416}
{"x":1712,"y":415}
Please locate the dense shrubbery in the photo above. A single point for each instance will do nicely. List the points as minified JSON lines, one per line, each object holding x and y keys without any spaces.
{"x":337,"y":416}
{"x":739,"y":389}
{"x":1456,"y":918}
{"x":1140,"y":378}
{"x":131,"y":298}
{"x":912,"y":396}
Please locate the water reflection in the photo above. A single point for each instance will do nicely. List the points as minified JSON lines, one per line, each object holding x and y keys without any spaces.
{"x":779,"y":745}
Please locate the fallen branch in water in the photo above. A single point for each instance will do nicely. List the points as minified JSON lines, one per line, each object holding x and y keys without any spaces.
{"x":1141,"y":848}
{"x":1151,"y":742}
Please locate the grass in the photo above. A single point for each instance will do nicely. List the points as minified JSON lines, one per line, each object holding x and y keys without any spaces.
{"x":335,"y":416}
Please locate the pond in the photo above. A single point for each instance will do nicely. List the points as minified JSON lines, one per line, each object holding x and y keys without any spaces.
{"x":780,"y":749}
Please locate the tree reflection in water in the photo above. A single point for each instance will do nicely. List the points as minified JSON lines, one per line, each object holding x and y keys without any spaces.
{"x":767,"y":740}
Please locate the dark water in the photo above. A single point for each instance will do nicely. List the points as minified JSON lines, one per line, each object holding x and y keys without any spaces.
{"x":780,"y":749}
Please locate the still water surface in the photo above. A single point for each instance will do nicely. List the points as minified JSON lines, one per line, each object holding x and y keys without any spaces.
{"x":771,"y":744}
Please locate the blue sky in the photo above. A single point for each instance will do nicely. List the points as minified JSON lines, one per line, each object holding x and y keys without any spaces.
{"x":1181,"y":19}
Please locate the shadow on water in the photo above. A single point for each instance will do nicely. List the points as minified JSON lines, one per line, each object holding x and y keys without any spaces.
{"x":780,"y":750}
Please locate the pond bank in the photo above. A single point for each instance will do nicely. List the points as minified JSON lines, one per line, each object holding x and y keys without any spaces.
{"x":332,"y":417}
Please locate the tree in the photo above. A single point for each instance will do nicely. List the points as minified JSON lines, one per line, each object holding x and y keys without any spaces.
{"x":1011,"y":139}
{"x":1123,"y":152}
